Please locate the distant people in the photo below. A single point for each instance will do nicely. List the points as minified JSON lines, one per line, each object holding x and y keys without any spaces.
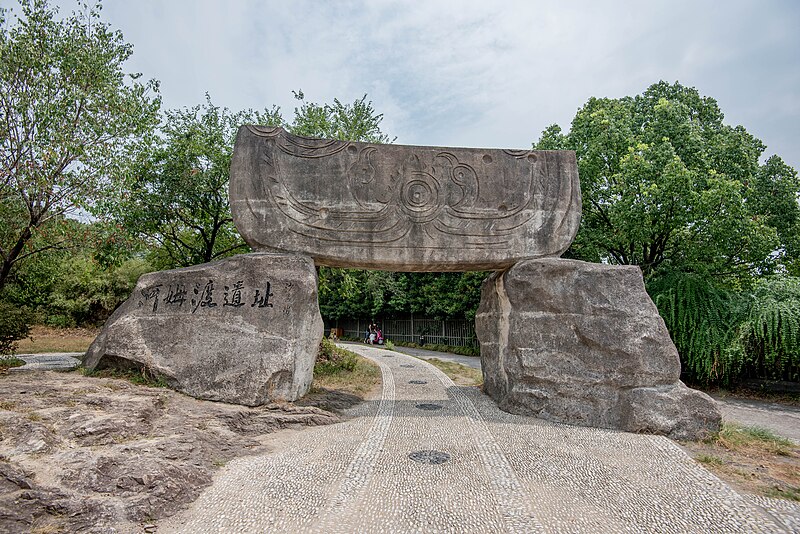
{"x":373,"y":334}
{"x":366,"y":334}
{"x":379,"y":336}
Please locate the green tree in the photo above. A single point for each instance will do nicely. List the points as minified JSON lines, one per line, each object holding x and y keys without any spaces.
{"x":81,"y":284}
{"x":68,"y":115}
{"x":668,"y":186}
{"x":176,"y":193}
{"x":347,"y":122}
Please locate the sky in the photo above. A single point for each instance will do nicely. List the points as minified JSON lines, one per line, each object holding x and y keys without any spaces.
{"x":482,"y":73}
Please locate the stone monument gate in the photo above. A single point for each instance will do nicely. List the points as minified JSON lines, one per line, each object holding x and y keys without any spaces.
{"x":564,"y":340}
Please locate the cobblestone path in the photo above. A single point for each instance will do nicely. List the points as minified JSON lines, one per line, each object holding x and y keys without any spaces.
{"x":428,"y":456}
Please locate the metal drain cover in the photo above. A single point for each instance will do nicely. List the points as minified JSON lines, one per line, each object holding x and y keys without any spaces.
{"x":417,"y":381}
{"x":388,"y":355}
{"x":406,"y":365}
{"x":429,"y":406}
{"x":430,"y":457}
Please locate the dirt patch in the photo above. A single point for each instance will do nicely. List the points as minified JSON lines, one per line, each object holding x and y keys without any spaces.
{"x":87,"y":454}
{"x":459,"y":374}
{"x":49,"y":339}
{"x":769,"y":467}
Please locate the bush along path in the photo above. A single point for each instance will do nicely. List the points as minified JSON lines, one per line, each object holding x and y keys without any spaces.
{"x":426,"y":455}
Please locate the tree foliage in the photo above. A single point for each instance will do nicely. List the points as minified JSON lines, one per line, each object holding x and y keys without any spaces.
{"x":347,"y":122}
{"x":175,"y":195}
{"x":68,"y":115}
{"x":724,"y":334}
{"x":702,"y":319}
{"x":769,"y":335}
{"x":667,"y":185}
{"x":79,"y":285}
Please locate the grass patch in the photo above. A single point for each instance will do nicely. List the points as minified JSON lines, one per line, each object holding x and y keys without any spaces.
{"x":460,"y":374}
{"x":709,"y":459}
{"x":342,"y":379}
{"x":333,"y":360}
{"x":751,"y":459}
{"x":49,"y":339}
{"x":141,"y":377}
{"x":790,"y":493}
{"x":359,"y":379}
{"x":751,"y":439}
{"x":10,"y":361}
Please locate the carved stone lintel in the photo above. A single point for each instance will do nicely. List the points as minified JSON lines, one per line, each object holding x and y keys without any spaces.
{"x":403,"y":208}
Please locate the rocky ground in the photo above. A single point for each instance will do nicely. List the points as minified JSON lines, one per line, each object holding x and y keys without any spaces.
{"x":85,"y":454}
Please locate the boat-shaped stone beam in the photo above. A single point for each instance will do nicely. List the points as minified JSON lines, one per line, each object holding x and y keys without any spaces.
{"x":402,"y":208}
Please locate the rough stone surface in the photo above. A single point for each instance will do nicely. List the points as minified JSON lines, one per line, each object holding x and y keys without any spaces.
{"x":93,"y":455}
{"x":243,"y":330}
{"x":398,"y":207}
{"x":582,"y":343}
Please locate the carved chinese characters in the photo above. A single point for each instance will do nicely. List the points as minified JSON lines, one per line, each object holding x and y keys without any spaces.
{"x":173,"y":297}
{"x":402,"y":207}
{"x":243,"y":330}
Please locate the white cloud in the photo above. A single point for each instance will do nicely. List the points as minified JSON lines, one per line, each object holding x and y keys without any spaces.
{"x":472,"y":73}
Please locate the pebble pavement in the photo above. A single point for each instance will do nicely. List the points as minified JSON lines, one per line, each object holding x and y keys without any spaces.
{"x":428,"y":456}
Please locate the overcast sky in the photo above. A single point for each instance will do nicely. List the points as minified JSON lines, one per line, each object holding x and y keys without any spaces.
{"x":462,"y":73}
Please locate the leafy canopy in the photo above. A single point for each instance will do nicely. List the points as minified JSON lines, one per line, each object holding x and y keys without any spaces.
{"x":667,"y":185}
{"x":347,"y":122}
{"x":175,"y":195}
{"x":68,"y":115}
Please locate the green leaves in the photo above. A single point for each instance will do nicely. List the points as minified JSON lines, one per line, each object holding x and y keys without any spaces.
{"x":723,"y":334}
{"x":175,"y":195}
{"x":668,"y":186}
{"x":68,"y":117}
{"x":348,"y":122}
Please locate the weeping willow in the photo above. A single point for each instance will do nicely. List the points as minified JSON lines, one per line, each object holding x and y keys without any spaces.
{"x":770,"y":334}
{"x":702,"y":320}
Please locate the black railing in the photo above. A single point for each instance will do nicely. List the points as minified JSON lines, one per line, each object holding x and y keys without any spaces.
{"x":456,"y":333}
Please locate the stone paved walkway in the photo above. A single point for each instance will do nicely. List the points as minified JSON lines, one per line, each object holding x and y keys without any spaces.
{"x":51,"y":361}
{"x":477,"y":469}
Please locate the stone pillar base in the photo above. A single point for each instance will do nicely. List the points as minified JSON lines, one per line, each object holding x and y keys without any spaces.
{"x":243,"y":330}
{"x":583,"y":344}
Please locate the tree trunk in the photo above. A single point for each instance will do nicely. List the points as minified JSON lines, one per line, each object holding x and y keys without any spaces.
{"x":13,"y":254}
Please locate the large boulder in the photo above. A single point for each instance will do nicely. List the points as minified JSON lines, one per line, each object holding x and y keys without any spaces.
{"x":582,"y":343}
{"x":401,"y":208}
{"x":243,"y":330}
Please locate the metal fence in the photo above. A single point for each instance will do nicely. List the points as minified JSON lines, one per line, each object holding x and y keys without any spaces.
{"x":458,"y":333}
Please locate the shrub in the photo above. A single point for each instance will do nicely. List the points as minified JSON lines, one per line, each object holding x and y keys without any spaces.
{"x":332,"y":359}
{"x":702,"y":319}
{"x":14,"y":325}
